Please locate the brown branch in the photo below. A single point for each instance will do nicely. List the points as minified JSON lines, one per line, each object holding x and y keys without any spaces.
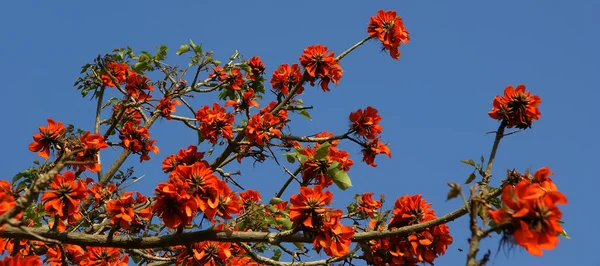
{"x":268,"y":261}
{"x":312,"y":139}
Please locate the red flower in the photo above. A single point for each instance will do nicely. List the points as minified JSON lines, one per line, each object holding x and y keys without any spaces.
{"x":530,"y":214}
{"x":91,"y":145}
{"x":167,"y":107}
{"x":64,"y":196}
{"x":183,"y":157}
{"x":205,"y":253}
{"x":249,"y":196}
{"x":410,"y":210}
{"x":285,"y":78}
{"x":101,"y":193}
{"x":215,"y":122}
{"x":390,"y":30}
{"x":135,"y":86}
{"x":333,"y":237}
{"x":48,"y":135}
{"x":368,"y":205}
{"x":218,"y":74}
{"x":516,"y":108}
{"x":201,"y":183}
{"x":373,"y":148}
{"x":257,"y":67}
{"x":261,"y":127}
{"x":54,"y":255}
{"x":308,"y":206}
{"x":137,"y":139}
{"x":130,"y":114}
{"x":120,"y":72}
{"x":320,"y":63}
{"x":19,"y":261}
{"x":366,"y":123}
{"x":7,"y":200}
{"x":174,"y":205}
{"x":248,"y":99}
{"x":122,"y":213}
{"x":235,"y":79}
{"x":104,"y":256}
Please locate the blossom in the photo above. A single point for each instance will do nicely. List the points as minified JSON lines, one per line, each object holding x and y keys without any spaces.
{"x":64,"y":195}
{"x":368,"y":205}
{"x":167,"y":107}
{"x":54,"y":255}
{"x":7,"y":200}
{"x":320,"y":63}
{"x":529,"y":213}
{"x":205,"y":253}
{"x":120,"y":71}
{"x":235,"y":79}
{"x":129,"y":114}
{"x":135,"y":86}
{"x":48,"y":136}
{"x":517,"y":107}
{"x":257,"y":67}
{"x":183,"y":157}
{"x":137,"y":139}
{"x":218,"y":73}
{"x":308,"y":205}
{"x":410,"y":210}
{"x":366,"y":123}
{"x":285,"y":77}
{"x":215,"y":122}
{"x":174,"y":205}
{"x":261,"y":127}
{"x":91,"y":145}
{"x":373,"y":148}
{"x":122,"y":212}
{"x":18,"y":261}
{"x":250,"y":196}
{"x":104,"y":256}
{"x":101,"y":193}
{"x":389,"y":29}
{"x":248,"y":99}
{"x":333,"y":237}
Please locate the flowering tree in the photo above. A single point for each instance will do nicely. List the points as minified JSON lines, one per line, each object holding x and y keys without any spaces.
{"x":200,"y":215}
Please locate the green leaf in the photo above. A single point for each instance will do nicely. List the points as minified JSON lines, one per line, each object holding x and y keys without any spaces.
{"x":454,"y":191}
{"x":305,"y":113}
{"x":302,"y":158}
{"x":564,"y":234}
{"x":196,"y":48}
{"x":322,"y":151}
{"x":299,"y":245}
{"x":291,"y":157}
{"x":184,"y":48}
{"x":276,"y":254}
{"x":200,"y":138}
{"x":339,"y":177}
{"x":470,"y":179}
{"x":469,"y":162}
{"x":275,"y":200}
{"x":287,"y":224}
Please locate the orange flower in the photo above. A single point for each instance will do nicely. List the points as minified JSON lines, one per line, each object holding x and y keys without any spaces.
{"x":205,"y":253}
{"x":308,"y":206}
{"x":247,"y":100}
{"x":320,"y":63}
{"x":135,"y":86}
{"x":257,"y":67}
{"x":130,"y":114}
{"x":166,"y":106}
{"x":285,"y":77}
{"x":122,"y":213}
{"x":218,"y":74}
{"x":242,"y":261}
{"x":19,"y":261}
{"x":333,"y":237}
{"x":120,"y":72}
{"x":201,"y":183}
{"x":137,"y":139}
{"x":183,"y":157}
{"x":215,"y":122}
{"x":390,"y":30}
{"x":64,"y":195}
{"x":516,"y":108}
{"x":260,"y":127}
{"x":174,"y":205}
{"x":228,"y":202}
{"x":250,"y":196}
{"x":410,"y":210}
{"x":372,"y":149}
{"x":104,"y":256}
{"x":48,"y":136}
{"x":366,"y":123}
{"x":7,"y":200}
{"x":54,"y":255}
{"x":235,"y":79}
{"x":101,"y":193}
{"x":91,"y":144}
{"x":530,"y":214}
{"x":368,"y":205}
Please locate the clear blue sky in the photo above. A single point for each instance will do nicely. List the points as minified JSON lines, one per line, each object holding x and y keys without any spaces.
{"x":434,"y":101}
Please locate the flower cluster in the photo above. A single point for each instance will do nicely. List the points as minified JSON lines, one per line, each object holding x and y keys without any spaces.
{"x":257,"y":68}
{"x":285,"y":77}
{"x":183,"y":157}
{"x":389,"y":29}
{"x":529,"y":212}
{"x":103,"y":256}
{"x":136,"y":138}
{"x":63,"y":199}
{"x":248,"y":99}
{"x":317,"y":168}
{"x":119,"y":71}
{"x":367,"y":205}
{"x":365,"y":124}
{"x":215,"y":122}
{"x":122,"y":212}
{"x":167,"y":106}
{"x":135,"y":85}
{"x":90,"y":145}
{"x":54,"y":257}
{"x":517,"y":107}
{"x":49,"y":135}
{"x":264,"y":125}
{"x":417,"y":247}
{"x":191,"y":189}
{"x":321,"y":64}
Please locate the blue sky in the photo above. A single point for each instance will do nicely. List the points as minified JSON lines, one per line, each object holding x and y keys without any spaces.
{"x":434,"y":101}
